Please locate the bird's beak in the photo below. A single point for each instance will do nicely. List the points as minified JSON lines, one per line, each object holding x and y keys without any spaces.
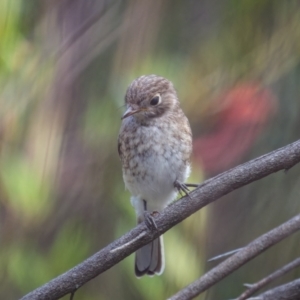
{"x":130,"y":112}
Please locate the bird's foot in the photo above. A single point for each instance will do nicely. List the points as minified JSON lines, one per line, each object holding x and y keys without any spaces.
{"x":149,"y":220}
{"x":182,"y":189}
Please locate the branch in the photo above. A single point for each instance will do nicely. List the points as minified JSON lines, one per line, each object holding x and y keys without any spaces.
{"x":258,"y":285}
{"x":237,"y":260}
{"x":288,"y":291}
{"x":207,"y":192}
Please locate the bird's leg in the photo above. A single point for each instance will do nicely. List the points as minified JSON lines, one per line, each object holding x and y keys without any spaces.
{"x":149,"y":220}
{"x":182,"y":188}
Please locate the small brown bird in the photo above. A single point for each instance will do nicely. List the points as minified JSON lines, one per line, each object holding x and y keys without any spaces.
{"x":155,"y":144}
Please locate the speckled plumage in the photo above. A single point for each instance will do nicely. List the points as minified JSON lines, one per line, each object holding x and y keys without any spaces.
{"x":155,"y":145}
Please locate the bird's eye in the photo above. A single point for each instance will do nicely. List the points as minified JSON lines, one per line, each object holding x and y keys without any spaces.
{"x":155,"y":100}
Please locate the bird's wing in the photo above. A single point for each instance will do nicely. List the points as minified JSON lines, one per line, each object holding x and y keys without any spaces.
{"x":119,"y":148}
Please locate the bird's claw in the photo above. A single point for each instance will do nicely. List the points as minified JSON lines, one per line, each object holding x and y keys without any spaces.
{"x":182,"y":188}
{"x":149,"y":220}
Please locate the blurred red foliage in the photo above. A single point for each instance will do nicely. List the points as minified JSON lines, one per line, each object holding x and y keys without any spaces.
{"x":243,"y":112}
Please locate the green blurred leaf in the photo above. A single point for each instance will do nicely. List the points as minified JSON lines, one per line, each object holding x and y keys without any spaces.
{"x":26,"y":266}
{"x":28,"y":193}
{"x":71,"y":246}
{"x":9,"y":32}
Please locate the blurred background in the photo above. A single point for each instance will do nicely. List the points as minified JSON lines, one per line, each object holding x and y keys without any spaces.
{"x":64,"y":69}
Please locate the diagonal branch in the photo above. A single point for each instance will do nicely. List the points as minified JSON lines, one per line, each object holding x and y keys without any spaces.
{"x":205,"y":193}
{"x":240,"y":258}
{"x":278,"y":273}
{"x":288,"y":291}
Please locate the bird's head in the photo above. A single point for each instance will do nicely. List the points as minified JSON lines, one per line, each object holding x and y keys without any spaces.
{"x":149,"y":97}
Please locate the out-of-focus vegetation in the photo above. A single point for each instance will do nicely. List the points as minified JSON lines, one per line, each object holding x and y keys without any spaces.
{"x":64,"y":69}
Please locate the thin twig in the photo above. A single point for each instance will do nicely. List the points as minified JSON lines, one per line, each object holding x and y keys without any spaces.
{"x":72,"y":295}
{"x":225,"y":254}
{"x":205,"y":193}
{"x":258,"y":285}
{"x":192,"y":185}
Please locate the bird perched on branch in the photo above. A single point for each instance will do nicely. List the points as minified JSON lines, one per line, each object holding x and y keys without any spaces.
{"x":155,"y":144}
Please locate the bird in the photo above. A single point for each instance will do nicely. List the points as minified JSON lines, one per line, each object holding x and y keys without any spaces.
{"x":154,"y":145}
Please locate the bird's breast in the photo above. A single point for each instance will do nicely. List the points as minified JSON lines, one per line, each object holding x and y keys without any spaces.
{"x":153,"y":157}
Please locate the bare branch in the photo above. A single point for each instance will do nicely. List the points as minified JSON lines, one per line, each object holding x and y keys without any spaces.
{"x":205,"y":193}
{"x":258,"y":285}
{"x":288,"y":291}
{"x":240,"y":258}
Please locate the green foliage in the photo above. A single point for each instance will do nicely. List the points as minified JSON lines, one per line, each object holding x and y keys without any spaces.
{"x":70,"y":247}
{"x":29,"y":268}
{"x":26,"y":266}
{"x":27,"y":191}
{"x":9,"y":32}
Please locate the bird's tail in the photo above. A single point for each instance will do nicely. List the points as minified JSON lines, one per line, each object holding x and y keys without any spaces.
{"x":150,"y":259}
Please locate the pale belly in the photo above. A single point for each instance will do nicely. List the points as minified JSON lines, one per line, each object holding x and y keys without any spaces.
{"x":153,"y":179}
